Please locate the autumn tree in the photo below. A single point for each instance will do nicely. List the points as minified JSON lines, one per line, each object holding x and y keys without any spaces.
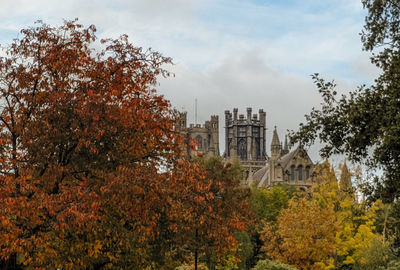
{"x":92,"y":173}
{"x":304,"y":235}
{"x":225,"y":204}
{"x":326,"y":228}
{"x":79,"y":127}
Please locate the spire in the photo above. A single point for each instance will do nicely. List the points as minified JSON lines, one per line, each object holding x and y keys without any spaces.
{"x":275,"y":139}
{"x":275,"y":146}
{"x":285,"y":146}
{"x":285,"y":149}
{"x":345,"y":185}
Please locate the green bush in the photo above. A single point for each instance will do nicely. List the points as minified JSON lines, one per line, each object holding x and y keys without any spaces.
{"x":270,"y":265}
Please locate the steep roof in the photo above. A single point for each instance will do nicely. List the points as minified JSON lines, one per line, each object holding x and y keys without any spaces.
{"x":260,"y":173}
{"x":275,"y":138}
{"x":264,"y":178}
{"x":288,"y":157}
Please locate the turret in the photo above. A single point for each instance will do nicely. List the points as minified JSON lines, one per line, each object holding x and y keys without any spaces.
{"x":285,"y":149}
{"x":182,"y":121}
{"x":249,"y":115}
{"x":275,"y":146}
{"x":214,"y":134}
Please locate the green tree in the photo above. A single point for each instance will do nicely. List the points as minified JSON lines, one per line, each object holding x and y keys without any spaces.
{"x":270,"y":265}
{"x":267,"y":203}
{"x":378,"y":256}
{"x":366,"y":124}
{"x":245,"y":250}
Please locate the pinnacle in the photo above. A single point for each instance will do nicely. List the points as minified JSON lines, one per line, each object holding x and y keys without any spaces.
{"x":275,"y":138}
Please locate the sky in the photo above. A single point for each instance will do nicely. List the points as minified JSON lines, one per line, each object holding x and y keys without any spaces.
{"x":227,"y":53}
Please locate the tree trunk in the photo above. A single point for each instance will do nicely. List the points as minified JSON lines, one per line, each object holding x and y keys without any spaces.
{"x":195,"y":251}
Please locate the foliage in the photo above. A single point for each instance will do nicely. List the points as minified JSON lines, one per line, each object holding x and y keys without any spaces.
{"x":245,"y":250}
{"x":267,"y":203}
{"x":366,"y":124}
{"x":230,"y":263}
{"x":270,"y":265}
{"x":327,"y":228}
{"x":346,"y":189}
{"x":212,"y":225}
{"x":393,"y":265}
{"x":304,"y":235}
{"x":92,"y":173}
{"x":377,"y":256}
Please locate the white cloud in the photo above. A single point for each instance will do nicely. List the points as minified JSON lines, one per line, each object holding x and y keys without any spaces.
{"x":227,"y":53}
{"x":244,"y":80}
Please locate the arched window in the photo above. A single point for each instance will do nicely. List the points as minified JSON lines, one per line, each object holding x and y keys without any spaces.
{"x":199,"y":142}
{"x":307,"y":172}
{"x":300,"y":172}
{"x":242,"y":149}
{"x":292,"y":172}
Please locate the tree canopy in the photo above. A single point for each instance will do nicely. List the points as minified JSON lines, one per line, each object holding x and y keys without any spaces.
{"x":365,"y":125}
{"x":92,"y":173}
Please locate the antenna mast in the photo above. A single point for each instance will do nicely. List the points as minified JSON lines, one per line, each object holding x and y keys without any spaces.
{"x":195,"y":111}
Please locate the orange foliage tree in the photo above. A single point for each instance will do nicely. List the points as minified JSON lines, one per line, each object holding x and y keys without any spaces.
{"x":92,"y":173}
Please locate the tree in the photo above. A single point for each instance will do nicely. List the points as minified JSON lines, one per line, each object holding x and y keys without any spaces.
{"x":267,"y":203}
{"x":226,"y":205}
{"x":326,"y":228}
{"x":245,"y":250}
{"x":92,"y":173}
{"x":377,"y":256}
{"x":304,"y":235}
{"x":79,"y":126}
{"x":366,"y":124}
{"x":270,"y":265}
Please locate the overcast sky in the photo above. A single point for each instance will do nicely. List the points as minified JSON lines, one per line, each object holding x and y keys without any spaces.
{"x":227,"y":53}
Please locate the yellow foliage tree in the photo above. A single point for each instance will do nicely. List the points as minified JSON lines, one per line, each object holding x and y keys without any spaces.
{"x":304,"y":235}
{"x":324,"y":229}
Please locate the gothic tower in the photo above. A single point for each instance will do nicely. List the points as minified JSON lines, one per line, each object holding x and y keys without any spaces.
{"x":205,"y":135}
{"x":245,"y":139}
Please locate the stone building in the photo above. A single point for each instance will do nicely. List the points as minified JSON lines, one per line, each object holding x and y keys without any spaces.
{"x":245,"y":140}
{"x":284,"y":166}
{"x":206,"y":135}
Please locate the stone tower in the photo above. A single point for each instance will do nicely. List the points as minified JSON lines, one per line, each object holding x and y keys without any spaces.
{"x":245,"y":139}
{"x":206,"y":135}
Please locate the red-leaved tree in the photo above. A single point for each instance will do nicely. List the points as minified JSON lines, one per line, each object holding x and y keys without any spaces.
{"x":92,"y":173}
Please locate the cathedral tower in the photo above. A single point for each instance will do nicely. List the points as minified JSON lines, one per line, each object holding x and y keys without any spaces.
{"x":245,"y":139}
{"x":205,"y":135}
